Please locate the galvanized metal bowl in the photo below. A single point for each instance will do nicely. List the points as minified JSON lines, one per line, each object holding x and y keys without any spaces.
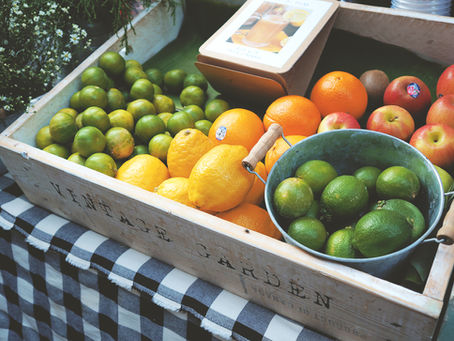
{"x":347,"y":150}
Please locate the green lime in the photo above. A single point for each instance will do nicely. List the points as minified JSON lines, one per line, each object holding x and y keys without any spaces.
{"x":115,"y":99}
{"x":215,"y":107}
{"x":368,"y":175}
{"x":317,"y":173}
{"x":78,"y":120}
{"x":57,"y":149}
{"x":314,"y":210}
{"x":96,"y":117}
{"x":110,"y":83}
{"x":340,"y":244}
{"x":165,"y":116}
{"x":89,"y":140}
{"x":195,"y":111}
{"x":179,"y":121}
{"x":446,"y":179}
{"x":174,"y":79}
{"x":133,"y":63}
{"x":163,"y":103}
{"x":62,"y":128}
{"x":292,"y":198}
{"x":159,"y":145}
{"x":155,"y":76}
{"x":344,"y":197}
{"x":203,"y":125}
{"x":74,"y":101}
{"x":192,"y":95}
{"x":94,"y":75}
{"x":121,"y":118}
{"x":308,"y":231}
{"x":398,"y":182}
{"x":119,"y":142}
{"x":71,"y":111}
{"x":43,"y":138}
{"x":142,"y":88}
{"x":103,"y":163}
{"x":147,"y":127}
{"x":381,"y":232}
{"x":112,"y":63}
{"x":410,"y":212}
{"x":196,"y":79}
{"x":77,"y":158}
{"x":141,"y":107}
{"x":139,"y":149}
{"x":133,"y":74}
{"x":92,"y":95}
{"x":157,"y":89}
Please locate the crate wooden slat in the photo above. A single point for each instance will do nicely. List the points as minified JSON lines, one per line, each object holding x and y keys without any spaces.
{"x":330,"y":297}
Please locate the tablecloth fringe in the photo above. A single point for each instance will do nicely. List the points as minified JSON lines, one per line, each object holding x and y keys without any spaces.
{"x":216,"y":329}
{"x":77,"y":262}
{"x":39,"y":244}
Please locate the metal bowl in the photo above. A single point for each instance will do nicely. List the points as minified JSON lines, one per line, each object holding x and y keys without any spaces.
{"x":347,"y":150}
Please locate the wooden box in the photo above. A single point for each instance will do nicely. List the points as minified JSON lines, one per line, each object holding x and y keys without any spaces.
{"x":334,"y":299}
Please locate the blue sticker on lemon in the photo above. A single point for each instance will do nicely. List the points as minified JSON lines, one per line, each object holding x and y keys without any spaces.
{"x":220,"y":133}
{"x":413,"y":90}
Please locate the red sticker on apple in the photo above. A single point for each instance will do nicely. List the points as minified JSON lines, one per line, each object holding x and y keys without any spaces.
{"x":413,"y":90}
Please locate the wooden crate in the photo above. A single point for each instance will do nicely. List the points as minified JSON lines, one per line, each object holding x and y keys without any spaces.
{"x":329,"y":297}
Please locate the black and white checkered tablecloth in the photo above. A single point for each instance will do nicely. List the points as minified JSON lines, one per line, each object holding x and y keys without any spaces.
{"x":60,"y":280}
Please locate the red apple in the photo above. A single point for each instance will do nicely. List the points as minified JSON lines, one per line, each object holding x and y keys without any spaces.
{"x":442,"y":111}
{"x":436,"y":142}
{"x":445,"y":84}
{"x":410,"y":93}
{"x":392,"y":120}
{"x":338,"y":120}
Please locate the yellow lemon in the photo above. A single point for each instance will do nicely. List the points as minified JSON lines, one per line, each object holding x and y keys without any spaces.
{"x":144,"y":171}
{"x":175,"y":189}
{"x":218,"y":181}
{"x":186,"y":148}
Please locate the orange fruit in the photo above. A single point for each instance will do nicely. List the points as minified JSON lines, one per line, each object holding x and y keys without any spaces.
{"x":144,"y":171}
{"x":278,"y":148}
{"x":186,"y":148}
{"x":340,"y":91}
{"x":252,"y":217}
{"x":237,"y":127}
{"x":255,"y":194}
{"x":218,"y":181}
{"x":296,"y":114}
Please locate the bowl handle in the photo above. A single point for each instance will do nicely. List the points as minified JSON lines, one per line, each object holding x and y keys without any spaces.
{"x":258,"y":152}
{"x":446,"y":231}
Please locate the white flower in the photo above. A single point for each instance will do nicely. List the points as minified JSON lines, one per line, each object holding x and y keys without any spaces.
{"x":66,"y":56}
{"x":2,"y":49}
{"x":41,"y":13}
{"x":7,"y":107}
{"x":59,"y":33}
{"x":3,"y":98}
{"x":74,"y":39}
{"x":35,"y":18}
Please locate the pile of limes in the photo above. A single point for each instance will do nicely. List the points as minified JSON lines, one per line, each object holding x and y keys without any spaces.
{"x":369,"y":213}
{"x":123,"y":110}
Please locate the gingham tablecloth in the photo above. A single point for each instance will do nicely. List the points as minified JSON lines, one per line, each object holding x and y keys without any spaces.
{"x":60,"y":280}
